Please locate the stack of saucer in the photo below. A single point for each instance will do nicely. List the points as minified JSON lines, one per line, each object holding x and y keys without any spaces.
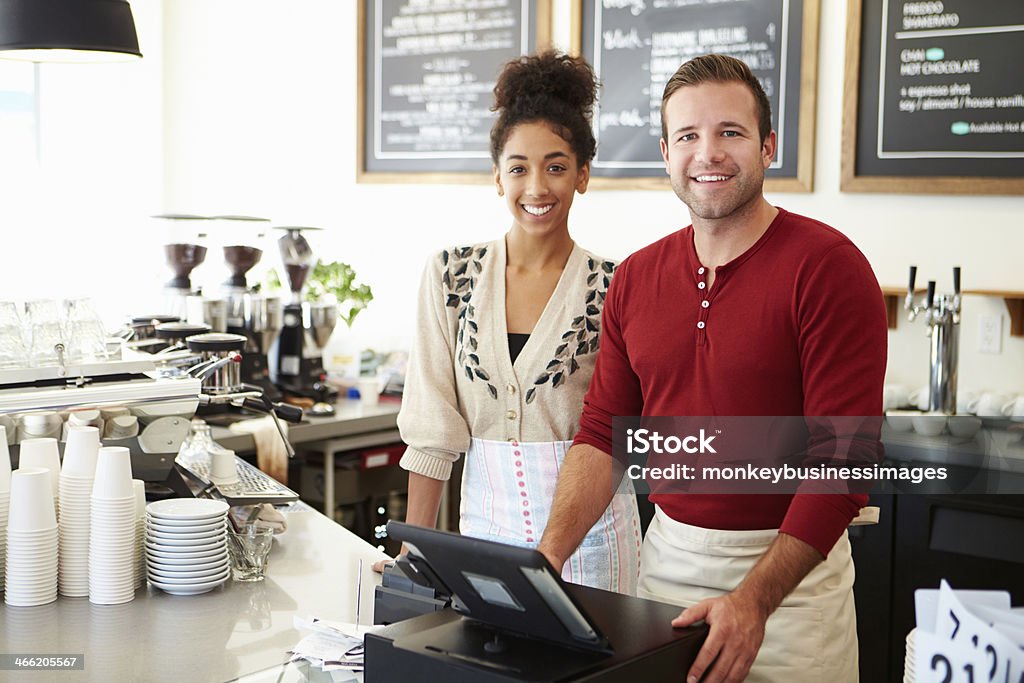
{"x":186,"y":545}
{"x":112,"y":529}
{"x":31,"y":572}
{"x":76,"y":480}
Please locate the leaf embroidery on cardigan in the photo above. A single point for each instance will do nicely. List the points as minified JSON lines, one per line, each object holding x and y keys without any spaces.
{"x":459,"y":279}
{"x":582,"y":337}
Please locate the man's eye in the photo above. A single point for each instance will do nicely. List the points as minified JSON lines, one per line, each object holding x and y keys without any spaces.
{"x":730,"y":133}
{"x":687,"y":137}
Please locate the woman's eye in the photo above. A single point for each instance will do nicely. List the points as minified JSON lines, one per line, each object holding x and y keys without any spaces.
{"x":515,"y":170}
{"x":556,"y":168}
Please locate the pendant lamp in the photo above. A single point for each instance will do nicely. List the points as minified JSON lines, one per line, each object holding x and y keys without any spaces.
{"x":67,"y":30}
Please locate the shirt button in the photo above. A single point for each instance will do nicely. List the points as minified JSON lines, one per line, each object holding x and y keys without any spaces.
{"x":511,"y":388}
{"x":511,"y":415}
{"x":700,"y":271}
{"x":701,"y":285}
{"x":700,"y":325}
{"x":704,"y":304}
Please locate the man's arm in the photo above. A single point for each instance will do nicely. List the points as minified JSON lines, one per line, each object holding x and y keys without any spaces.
{"x":583,"y":493}
{"x":737,"y":619}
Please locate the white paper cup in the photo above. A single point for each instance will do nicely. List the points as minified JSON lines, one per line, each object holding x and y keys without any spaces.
{"x":31,"y":506}
{"x":222,"y":467}
{"x":42,"y":424}
{"x":80,"y":452}
{"x":5,"y":462}
{"x":113,"y":474}
{"x":42,"y":453}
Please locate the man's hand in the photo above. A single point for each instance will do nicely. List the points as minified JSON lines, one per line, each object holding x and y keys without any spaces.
{"x":737,"y":631}
{"x":380,"y":565}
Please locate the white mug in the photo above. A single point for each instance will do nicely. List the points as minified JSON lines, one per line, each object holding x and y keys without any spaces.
{"x":919,"y":398}
{"x":966,"y":401}
{"x":991,"y":404}
{"x":894,"y":396}
{"x":1014,"y":409}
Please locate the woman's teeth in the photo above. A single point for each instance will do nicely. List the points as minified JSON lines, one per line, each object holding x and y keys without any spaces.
{"x":537,"y":210}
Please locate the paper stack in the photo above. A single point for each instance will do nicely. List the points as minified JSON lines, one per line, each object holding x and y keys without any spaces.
{"x":336,"y":648}
{"x":965,"y":636}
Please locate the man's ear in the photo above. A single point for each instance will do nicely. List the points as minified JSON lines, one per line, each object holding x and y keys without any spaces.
{"x":768,"y":150}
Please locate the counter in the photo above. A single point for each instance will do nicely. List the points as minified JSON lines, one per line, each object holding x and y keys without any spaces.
{"x":233,"y":631}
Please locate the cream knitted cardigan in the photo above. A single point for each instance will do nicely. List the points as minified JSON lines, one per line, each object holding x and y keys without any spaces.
{"x":461,"y":382}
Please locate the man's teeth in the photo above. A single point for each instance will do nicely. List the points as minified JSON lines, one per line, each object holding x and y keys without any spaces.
{"x":537,"y":210}
{"x":711,"y":178}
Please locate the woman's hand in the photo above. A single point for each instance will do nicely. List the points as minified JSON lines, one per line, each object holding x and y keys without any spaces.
{"x":381,"y":565}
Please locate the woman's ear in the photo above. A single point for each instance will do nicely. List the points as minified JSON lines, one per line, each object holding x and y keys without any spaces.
{"x":497,"y":181}
{"x":584,"y":178}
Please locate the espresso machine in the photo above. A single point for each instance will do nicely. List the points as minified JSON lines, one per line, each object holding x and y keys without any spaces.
{"x":248,"y":312}
{"x":942,"y":315}
{"x":296,"y":362}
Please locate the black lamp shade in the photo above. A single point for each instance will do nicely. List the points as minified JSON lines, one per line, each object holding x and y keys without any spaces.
{"x":35,"y":27}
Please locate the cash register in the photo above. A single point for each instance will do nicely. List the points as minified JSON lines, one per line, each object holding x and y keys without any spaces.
{"x":512,"y":618}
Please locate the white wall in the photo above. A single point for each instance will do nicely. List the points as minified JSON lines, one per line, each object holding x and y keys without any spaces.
{"x":261,"y":119}
{"x":73,"y":225}
{"x":248,"y":106}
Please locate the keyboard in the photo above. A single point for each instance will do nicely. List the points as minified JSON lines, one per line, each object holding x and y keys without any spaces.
{"x":254,"y":486}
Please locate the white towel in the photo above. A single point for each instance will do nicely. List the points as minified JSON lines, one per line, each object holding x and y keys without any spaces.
{"x":271,"y":455}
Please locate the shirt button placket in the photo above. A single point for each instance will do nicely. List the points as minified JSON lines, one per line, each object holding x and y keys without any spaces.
{"x":704,"y":304}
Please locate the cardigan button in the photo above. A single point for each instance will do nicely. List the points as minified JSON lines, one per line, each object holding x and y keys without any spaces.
{"x":511,"y":388}
{"x":511,"y":414}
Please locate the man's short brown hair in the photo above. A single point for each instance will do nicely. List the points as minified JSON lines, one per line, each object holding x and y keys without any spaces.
{"x":719,"y":69}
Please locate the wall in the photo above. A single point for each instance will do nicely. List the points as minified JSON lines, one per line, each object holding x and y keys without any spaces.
{"x":249,"y":107}
{"x":73,"y":223}
{"x":261,"y":118}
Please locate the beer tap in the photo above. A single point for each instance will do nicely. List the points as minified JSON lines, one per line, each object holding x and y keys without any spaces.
{"x":942,"y":315}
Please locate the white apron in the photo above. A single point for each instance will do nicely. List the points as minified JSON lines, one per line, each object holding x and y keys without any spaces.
{"x":507,"y":489}
{"x":811,"y":638}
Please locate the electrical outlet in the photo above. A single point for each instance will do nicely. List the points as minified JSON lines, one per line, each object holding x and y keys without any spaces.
{"x":990,"y":334}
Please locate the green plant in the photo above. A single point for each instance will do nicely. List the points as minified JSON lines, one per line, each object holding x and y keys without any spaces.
{"x":338,"y":280}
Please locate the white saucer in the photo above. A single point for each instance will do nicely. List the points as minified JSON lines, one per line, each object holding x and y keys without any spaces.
{"x":165,"y":566}
{"x":193,"y":548}
{"x":182,"y":539}
{"x":173,"y":576}
{"x":187,"y":508}
{"x":183,"y":528}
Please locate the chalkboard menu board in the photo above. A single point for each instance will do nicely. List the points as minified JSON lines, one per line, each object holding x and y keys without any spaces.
{"x":426,"y":72}
{"x":934,"y":97}
{"x":636,"y":45}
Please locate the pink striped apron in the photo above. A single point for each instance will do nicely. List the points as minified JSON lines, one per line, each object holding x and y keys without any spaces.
{"x":507,"y":489}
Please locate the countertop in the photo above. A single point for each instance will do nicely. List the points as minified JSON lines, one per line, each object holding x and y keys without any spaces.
{"x":236,"y":630}
{"x":351,"y":419}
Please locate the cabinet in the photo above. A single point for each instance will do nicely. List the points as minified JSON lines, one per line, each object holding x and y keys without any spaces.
{"x":974,"y":541}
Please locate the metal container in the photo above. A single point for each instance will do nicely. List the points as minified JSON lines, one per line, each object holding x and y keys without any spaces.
{"x":262,"y":319}
{"x":225,"y":378}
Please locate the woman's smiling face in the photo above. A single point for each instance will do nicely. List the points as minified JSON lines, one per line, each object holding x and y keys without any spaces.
{"x":539,"y":176}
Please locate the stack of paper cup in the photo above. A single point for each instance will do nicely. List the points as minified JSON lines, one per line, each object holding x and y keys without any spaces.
{"x":112,"y":529}
{"x":139,"y":487}
{"x":43,"y":453}
{"x":31,"y":574}
{"x":5,"y":497}
{"x":76,"y":480}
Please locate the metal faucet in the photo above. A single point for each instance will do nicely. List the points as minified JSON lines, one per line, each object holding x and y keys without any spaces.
{"x":942,"y":314}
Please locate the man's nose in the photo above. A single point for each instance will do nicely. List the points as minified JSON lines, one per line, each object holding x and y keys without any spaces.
{"x":710,"y":150}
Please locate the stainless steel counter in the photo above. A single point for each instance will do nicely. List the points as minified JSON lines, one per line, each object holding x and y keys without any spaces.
{"x":233,"y":631}
{"x":351,"y":419}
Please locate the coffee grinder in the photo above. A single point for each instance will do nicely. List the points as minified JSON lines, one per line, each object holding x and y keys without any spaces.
{"x":250,"y":313}
{"x":184,"y":250}
{"x":296,"y":361}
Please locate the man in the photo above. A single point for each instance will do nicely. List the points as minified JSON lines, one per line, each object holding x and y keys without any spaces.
{"x":751,"y":311}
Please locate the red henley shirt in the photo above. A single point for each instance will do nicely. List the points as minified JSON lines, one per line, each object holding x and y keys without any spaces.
{"x":795,"y":326}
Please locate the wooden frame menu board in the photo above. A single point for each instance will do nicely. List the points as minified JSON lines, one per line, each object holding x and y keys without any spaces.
{"x":636,"y":46}
{"x":934,"y":97}
{"x":427,"y":69}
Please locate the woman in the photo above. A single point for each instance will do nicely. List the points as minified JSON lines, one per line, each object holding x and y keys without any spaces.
{"x":507,"y":334}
